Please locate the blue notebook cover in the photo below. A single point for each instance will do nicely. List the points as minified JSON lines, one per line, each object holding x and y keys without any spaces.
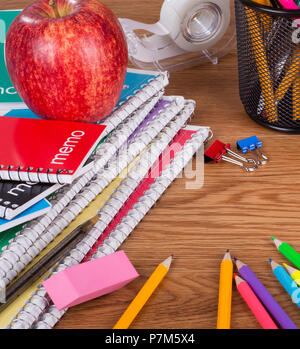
{"x":32,"y":212}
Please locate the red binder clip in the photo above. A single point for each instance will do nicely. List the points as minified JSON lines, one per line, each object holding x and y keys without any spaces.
{"x":219,"y":151}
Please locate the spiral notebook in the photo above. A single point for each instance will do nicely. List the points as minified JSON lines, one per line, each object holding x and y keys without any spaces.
{"x":38,"y":311}
{"x":46,"y":151}
{"x":183,"y":137}
{"x":155,"y":147}
{"x":139,"y":87}
{"x":19,"y":196}
{"x":70,"y":202}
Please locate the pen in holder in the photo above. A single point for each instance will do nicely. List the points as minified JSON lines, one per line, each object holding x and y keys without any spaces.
{"x":269,"y":64}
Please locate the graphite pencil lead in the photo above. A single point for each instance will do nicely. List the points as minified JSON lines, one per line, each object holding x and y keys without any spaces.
{"x":227,"y":256}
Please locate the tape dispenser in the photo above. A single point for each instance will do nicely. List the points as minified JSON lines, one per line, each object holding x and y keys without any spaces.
{"x":188,"y":33}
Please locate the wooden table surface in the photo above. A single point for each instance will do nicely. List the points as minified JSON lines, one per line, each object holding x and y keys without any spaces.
{"x":234,"y":210}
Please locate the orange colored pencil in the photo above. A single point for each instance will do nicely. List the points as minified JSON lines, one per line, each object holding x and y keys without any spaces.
{"x":225,"y":292}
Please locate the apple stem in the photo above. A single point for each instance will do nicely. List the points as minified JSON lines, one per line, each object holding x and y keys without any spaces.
{"x":52,"y":3}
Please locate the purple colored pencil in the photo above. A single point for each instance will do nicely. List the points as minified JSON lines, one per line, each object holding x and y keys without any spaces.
{"x":266,"y":298}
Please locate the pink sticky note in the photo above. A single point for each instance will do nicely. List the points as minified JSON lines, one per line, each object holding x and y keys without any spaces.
{"x":89,"y":280}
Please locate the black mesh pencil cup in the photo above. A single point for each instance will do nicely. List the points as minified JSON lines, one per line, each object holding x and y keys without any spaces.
{"x":268,"y":42}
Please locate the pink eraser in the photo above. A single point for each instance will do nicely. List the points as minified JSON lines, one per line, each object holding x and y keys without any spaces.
{"x":89,"y":280}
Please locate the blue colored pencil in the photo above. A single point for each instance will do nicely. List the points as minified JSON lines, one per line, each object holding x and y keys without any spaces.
{"x":286,"y":281}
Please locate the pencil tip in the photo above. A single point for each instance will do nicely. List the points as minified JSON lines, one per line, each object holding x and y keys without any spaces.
{"x":272,"y":237}
{"x":238,"y":279}
{"x":270,"y":260}
{"x":277,"y":242}
{"x":234,"y":275}
{"x":227,"y":256}
{"x":274,"y":264}
{"x":238,"y":263}
{"x":167,"y":262}
{"x":227,"y":250}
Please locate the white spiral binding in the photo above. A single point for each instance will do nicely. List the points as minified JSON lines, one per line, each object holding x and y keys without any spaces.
{"x":119,"y":115}
{"x":51,"y":315}
{"x":39,"y":233}
{"x":48,"y":317}
{"x":112,"y":144}
{"x":135,"y":101}
{"x":26,"y":239}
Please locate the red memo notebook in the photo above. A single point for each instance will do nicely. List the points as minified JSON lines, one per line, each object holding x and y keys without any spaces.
{"x":46,"y":151}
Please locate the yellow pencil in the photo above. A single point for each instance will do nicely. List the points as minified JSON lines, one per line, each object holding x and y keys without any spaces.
{"x":263,"y":2}
{"x":265,"y":18}
{"x":291,"y":75}
{"x":144,"y":294}
{"x":262,"y":65}
{"x":225,"y":292}
{"x":294,"y":273}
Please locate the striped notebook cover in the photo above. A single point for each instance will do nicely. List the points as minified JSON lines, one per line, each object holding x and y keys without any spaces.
{"x":38,"y":234}
{"x":189,"y":141}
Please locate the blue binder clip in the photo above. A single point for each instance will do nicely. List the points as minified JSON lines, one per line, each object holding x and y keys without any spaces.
{"x":253,"y":144}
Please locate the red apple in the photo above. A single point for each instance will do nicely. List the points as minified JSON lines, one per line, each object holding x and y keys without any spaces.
{"x":67,"y":59}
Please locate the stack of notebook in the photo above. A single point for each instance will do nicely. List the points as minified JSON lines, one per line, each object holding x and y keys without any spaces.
{"x":121,"y":173}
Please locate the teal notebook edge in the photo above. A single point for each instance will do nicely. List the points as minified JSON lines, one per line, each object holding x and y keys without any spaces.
{"x":7,"y":92}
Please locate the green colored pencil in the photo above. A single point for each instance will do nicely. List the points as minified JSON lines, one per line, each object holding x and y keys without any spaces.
{"x":288,"y":252}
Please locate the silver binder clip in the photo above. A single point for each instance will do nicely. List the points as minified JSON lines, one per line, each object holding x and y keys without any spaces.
{"x":253,"y":144}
